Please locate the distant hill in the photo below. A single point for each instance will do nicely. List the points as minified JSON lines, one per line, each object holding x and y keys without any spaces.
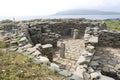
{"x":86,"y":12}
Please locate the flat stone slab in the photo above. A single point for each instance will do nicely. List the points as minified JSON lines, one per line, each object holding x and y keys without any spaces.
{"x":37,"y":61}
{"x":96,"y":57}
{"x":102,"y":77}
{"x":47,"y":46}
{"x":44,"y":60}
{"x":86,"y":53}
{"x":54,"y":67}
{"x":31,"y":50}
{"x":112,"y":62}
{"x":79,"y":71}
{"x":23,"y":39}
{"x":75,"y":77}
{"x":12,"y":42}
{"x":20,"y":50}
{"x":27,"y":46}
{"x":83,"y":60}
{"x":36,"y":53}
{"x":30,"y":56}
{"x":65,"y":73}
{"x":94,"y":63}
{"x":95,"y":75}
{"x":38,"y":45}
{"x":93,"y":39}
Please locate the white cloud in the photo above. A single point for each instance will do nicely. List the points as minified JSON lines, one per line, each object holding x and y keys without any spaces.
{"x":46,"y":7}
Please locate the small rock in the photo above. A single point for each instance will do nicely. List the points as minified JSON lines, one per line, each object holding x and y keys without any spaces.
{"x":95,"y":75}
{"x":94,"y":63}
{"x":31,"y":50}
{"x":83,"y":60}
{"x":55,"y":67}
{"x":96,"y":57}
{"x":28,"y":46}
{"x":44,"y":60}
{"x":90,"y":70}
{"x":112,"y":62}
{"x":36,"y":53}
{"x":86,"y":76}
{"x":75,"y":77}
{"x":105,"y":69}
{"x":103,"y":77}
{"x":47,"y":46}
{"x":79,"y":71}
{"x":65,"y":73}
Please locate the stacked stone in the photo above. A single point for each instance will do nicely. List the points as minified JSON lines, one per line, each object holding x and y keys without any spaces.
{"x":84,"y":60}
{"x":107,"y":62}
{"x":23,"y":41}
{"x":85,"y":63}
{"x":43,"y":54}
{"x":33,"y":52}
{"x":67,"y":28}
{"x":41,"y":35}
{"x":108,"y":38}
{"x":64,"y":28}
{"x":86,"y":56}
{"x":38,"y":53}
{"x":91,"y":36}
{"x":102,"y":26}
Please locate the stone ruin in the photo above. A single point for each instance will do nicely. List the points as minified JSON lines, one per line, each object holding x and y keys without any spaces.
{"x":40,"y":42}
{"x":41,"y":35}
{"x":109,"y":38}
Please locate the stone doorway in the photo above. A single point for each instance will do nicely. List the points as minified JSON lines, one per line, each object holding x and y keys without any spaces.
{"x":67,"y":32}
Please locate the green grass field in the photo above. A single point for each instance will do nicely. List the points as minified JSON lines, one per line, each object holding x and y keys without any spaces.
{"x":114,"y":25}
{"x":15,"y":66}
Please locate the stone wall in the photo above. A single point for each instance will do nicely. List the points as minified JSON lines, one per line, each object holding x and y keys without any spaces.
{"x":10,"y":27}
{"x":66,"y":28}
{"x":109,"y":38}
{"x":86,"y":62}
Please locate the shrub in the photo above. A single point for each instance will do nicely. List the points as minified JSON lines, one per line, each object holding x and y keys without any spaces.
{"x":6,"y":21}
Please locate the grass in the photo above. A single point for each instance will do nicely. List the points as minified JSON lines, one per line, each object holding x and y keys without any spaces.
{"x":15,"y":66}
{"x":3,"y":44}
{"x":114,"y":25}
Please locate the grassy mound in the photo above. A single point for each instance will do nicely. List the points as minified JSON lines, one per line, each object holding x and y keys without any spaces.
{"x":14,"y":66}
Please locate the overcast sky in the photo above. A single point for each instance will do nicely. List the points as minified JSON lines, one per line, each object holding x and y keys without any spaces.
{"x":48,"y":7}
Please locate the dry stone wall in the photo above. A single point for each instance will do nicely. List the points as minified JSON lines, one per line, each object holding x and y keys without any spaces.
{"x":86,"y":64}
{"x":67,"y":28}
{"x":109,"y":38}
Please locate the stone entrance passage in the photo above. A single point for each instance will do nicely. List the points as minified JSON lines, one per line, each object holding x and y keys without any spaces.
{"x":73,"y":48}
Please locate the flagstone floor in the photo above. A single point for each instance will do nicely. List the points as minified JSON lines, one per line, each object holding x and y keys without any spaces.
{"x":73,"y":49}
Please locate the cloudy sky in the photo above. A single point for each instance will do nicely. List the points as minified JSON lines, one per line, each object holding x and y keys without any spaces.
{"x":48,"y":7}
